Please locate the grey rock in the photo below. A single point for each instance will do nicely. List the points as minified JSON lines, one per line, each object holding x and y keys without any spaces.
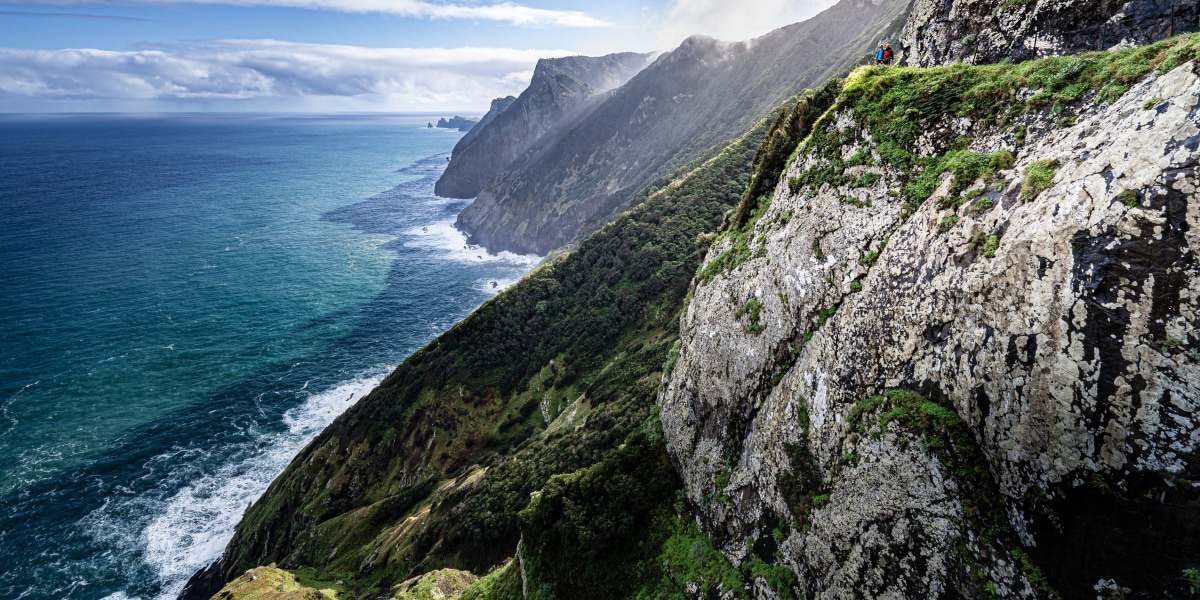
{"x":1064,"y":354}
{"x":558,"y":90}
{"x":979,"y":32}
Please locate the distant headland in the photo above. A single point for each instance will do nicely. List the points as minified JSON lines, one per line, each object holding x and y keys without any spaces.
{"x":455,"y":122}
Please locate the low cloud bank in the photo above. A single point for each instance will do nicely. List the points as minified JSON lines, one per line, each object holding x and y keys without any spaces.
{"x":270,"y":73}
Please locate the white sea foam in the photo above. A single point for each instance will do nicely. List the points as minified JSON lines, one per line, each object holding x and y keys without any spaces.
{"x":190,"y":529}
{"x":495,"y":285}
{"x":442,"y":237}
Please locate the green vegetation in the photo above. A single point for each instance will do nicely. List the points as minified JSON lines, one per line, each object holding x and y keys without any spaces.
{"x":990,"y":246}
{"x":1038,"y":178}
{"x":1128,"y":198}
{"x":982,"y":204}
{"x":547,"y":378}
{"x":866,"y":180}
{"x":503,"y":583}
{"x":871,"y":257}
{"x":1151,"y":103}
{"x":434,"y":585}
{"x":899,"y":104}
{"x":1032,"y":573}
{"x":965,"y":166}
{"x":621,"y":529}
{"x":985,"y":244}
{"x":753,"y":309}
{"x":578,"y":527}
{"x":790,"y":127}
{"x":551,"y":385}
{"x":270,"y":583}
{"x":1014,"y":3}
{"x":948,"y":223}
{"x":1192,"y":575}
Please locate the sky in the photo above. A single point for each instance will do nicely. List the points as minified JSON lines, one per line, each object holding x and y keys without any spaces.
{"x":397,"y":56}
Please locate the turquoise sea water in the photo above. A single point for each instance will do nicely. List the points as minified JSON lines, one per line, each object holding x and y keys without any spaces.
{"x":187,"y":300}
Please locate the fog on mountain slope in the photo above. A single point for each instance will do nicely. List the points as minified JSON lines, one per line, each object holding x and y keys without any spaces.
{"x":561,"y":88}
{"x":583,"y":172}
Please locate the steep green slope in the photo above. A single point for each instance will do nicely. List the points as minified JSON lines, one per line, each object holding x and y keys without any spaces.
{"x":687,"y":103}
{"x":431,"y":469}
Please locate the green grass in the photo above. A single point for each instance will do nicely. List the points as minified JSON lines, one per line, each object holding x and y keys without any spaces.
{"x":752,"y":309}
{"x":869,"y":259}
{"x":1128,"y":198}
{"x":1039,"y":176}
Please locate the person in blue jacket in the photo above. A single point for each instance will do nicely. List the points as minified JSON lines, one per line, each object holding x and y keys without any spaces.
{"x":879,"y":55}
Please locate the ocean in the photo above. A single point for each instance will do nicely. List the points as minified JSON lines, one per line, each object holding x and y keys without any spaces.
{"x":187,"y":301}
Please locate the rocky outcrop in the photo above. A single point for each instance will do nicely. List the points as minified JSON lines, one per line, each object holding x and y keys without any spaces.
{"x":457,"y":122}
{"x":960,"y":344}
{"x":269,"y":583}
{"x":558,"y":89}
{"x":442,"y":584}
{"x":698,"y":97}
{"x":978,"y":32}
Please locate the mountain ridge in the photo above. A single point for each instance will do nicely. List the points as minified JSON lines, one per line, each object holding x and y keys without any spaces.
{"x":699,"y":96}
{"x":558,"y":89}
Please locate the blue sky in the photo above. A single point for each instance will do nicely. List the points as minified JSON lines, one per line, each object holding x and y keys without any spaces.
{"x":330,"y":55}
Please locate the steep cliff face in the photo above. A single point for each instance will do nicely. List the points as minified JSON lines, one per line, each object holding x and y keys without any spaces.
{"x":559,"y":88}
{"x":978,"y":32}
{"x":499,"y":105}
{"x":958,"y":344}
{"x":688,"y":102}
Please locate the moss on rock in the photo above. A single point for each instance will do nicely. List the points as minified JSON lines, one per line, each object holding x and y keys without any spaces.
{"x":443,"y":584}
{"x":270,"y":583}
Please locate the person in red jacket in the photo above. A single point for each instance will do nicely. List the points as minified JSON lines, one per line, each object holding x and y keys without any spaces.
{"x":887,"y":54}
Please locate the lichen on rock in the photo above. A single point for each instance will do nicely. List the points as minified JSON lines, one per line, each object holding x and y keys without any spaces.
{"x":1059,"y":325}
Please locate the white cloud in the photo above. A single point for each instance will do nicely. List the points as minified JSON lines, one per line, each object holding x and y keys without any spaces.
{"x":732,"y":21}
{"x":506,"y":12}
{"x":270,"y":74}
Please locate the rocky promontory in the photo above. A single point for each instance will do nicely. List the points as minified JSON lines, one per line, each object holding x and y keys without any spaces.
{"x":560,"y":87}
{"x":457,"y":122}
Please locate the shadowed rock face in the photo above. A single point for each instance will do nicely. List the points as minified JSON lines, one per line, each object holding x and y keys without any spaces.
{"x":558,"y":89}
{"x":980,"y":32}
{"x":1054,"y":323}
{"x":584,"y":173}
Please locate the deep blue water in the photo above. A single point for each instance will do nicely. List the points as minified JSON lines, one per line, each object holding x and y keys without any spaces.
{"x":188,"y":300}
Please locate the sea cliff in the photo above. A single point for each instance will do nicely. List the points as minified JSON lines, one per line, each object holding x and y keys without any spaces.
{"x":918,"y":332}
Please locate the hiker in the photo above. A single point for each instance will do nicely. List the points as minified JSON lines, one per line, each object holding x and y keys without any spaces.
{"x":887,"y":55}
{"x":879,"y":55}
